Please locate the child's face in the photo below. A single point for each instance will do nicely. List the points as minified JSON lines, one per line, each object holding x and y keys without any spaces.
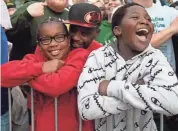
{"x":101,"y":6}
{"x":111,"y":5}
{"x":58,"y":47}
{"x":136,"y":29}
{"x":57,"y":5}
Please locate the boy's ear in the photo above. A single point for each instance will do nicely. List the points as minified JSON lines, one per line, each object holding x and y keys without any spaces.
{"x":117,"y":31}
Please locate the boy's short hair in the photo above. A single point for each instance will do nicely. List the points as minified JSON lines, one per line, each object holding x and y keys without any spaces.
{"x":120,"y":12}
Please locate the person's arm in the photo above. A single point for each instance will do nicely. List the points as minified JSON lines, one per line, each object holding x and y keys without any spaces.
{"x":20,"y":24}
{"x":161,"y":37}
{"x":91,"y":104}
{"x":65,"y":78}
{"x":159,"y":94}
{"x":22,"y":18}
{"x":18,"y":72}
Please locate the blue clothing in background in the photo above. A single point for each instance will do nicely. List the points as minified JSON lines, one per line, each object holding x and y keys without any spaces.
{"x":4,"y":47}
{"x":164,"y":2}
{"x":5,"y":122}
{"x":4,"y":59}
{"x":4,"y":91}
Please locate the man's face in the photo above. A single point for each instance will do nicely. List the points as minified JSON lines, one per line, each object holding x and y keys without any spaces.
{"x":82,"y":37}
{"x":11,"y":11}
{"x":145,"y":3}
{"x":79,"y":1}
{"x":57,"y":5}
{"x":101,"y":6}
{"x":111,"y":5}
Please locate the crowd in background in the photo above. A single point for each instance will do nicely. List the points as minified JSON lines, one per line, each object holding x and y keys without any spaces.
{"x":22,"y":31}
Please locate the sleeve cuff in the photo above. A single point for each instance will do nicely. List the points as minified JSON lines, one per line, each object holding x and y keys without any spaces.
{"x":115,"y":89}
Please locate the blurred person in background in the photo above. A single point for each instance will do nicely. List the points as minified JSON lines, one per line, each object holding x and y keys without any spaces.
{"x":172,"y":121}
{"x":174,"y":4}
{"x":19,"y":107}
{"x":170,"y":1}
{"x":11,"y":8}
{"x":5,"y":24}
{"x":100,"y":4}
{"x":164,"y":2}
{"x":106,"y":35}
{"x":79,"y":1}
{"x":110,"y":6}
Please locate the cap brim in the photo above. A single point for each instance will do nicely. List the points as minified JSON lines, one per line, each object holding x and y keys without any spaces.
{"x":79,"y":24}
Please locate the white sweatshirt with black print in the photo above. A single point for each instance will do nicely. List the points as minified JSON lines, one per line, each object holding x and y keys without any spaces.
{"x":128,"y":106}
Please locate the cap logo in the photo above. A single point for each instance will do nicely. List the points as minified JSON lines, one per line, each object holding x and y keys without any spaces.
{"x":92,"y":17}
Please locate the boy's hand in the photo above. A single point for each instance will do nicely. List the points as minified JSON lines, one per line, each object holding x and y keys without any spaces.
{"x":52,"y":66}
{"x":36,"y":9}
{"x":103,"y":87}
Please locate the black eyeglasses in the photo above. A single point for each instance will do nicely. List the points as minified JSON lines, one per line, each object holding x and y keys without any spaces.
{"x":47,"y":40}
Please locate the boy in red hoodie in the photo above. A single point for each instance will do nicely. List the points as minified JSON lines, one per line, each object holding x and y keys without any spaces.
{"x":52,"y":71}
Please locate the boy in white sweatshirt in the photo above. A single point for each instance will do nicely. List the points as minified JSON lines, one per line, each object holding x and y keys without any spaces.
{"x":122,"y":84}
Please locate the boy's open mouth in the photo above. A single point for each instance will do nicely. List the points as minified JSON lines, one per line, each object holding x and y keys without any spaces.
{"x":142,"y":34}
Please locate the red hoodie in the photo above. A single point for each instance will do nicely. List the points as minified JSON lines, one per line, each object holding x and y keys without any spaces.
{"x":59,"y":84}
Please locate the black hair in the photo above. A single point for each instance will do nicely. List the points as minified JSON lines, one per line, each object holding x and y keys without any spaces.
{"x":174,"y":4}
{"x":10,"y":5}
{"x":50,"y":20}
{"x":120,"y":12}
{"x":154,"y":1}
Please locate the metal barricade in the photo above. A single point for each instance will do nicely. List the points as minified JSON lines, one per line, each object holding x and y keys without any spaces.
{"x":161,"y":122}
{"x":80,"y":123}
{"x":10,"y":109}
{"x":55,"y":114}
{"x":32,"y":110}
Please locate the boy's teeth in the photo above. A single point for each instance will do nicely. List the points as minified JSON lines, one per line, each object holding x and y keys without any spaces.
{"x":143,"y":30}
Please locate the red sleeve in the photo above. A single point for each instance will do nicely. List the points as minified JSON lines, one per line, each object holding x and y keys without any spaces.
{"x":60,"y":82}
{"x":17,"y":72}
